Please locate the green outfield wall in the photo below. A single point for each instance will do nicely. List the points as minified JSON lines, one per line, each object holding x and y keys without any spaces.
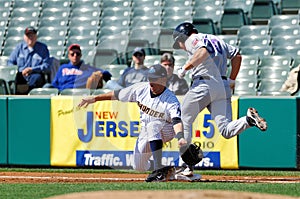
{"x":28,"y":130}
{"x":277,"y":147}
{"x":3,"y":130}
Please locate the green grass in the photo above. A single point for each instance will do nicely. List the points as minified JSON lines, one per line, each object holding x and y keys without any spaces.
{"x":35,"y":191}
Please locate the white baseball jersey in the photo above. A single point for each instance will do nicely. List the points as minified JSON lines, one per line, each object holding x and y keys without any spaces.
{"x":156,"y":113}
{"x":159,"y":110}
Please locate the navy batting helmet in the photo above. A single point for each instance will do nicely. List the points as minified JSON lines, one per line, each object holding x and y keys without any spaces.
{"x":182,"y":32}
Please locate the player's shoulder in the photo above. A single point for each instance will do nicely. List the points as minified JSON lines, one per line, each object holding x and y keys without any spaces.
{"x":170,"y":95}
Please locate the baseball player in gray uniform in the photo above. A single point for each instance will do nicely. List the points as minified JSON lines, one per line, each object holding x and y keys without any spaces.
{"x":160,"y":116}
{"x":211,"y":88}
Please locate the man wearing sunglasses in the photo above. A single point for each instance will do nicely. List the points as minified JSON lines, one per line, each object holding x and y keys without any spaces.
{"x":77,"y":74}
{"x":33,"y":61}
{"x":137,"y":73}
{"x":160,"y":119}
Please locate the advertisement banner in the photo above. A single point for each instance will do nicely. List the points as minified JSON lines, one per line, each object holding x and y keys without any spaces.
{"x":104,"y":134}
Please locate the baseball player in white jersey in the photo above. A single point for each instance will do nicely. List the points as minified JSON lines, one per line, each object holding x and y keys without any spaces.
{"x":210,"y":88}
{"x":160,"y":116}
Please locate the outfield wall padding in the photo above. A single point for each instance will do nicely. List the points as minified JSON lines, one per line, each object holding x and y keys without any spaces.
{"x":29,"y":130}
{"x":276,"y":147}
{"x":3,"y":130}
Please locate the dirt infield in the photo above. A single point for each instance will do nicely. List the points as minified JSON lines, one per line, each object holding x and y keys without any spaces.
{"x":44,"y":177}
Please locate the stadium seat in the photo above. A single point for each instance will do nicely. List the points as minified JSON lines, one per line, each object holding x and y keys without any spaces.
{"x":273,"y":72}
{"x":147,"y":33}
{"x":172,"y":21}
{"x":145,"y":22}
{"x":115,"y":21}
{"x":165,"y":40}
{"x":86,"y":5}
{"x":178,"y":3}
{"x":10,"y":44}
{"x":245,"y":87}
{"x":57,"y":4}
{"x":284,"y":20}
{"x":116,"y":42}
{"x":44,"y":91}
{"x":182,"y":12}
{"x":271,"y":87}
{"x":113,"y":30}
{"x":60,"y":32}
{"x":276,"y":60}
{"x":205,"y":26}
{"x":256,"y":40}
{"x":15,"y":32}
{"x":8,"y":75}
{"x":91,"y":13}
{"x":27,"y":4}
{"x":57,"y":12}
{"x":250,"y":61}
{"x":293,"y":51}
{"x":116,"y":70}
{"x":117,"y":12}
{"x":230,"y":39}
{"x":106,"y":56}
{"x":116,"y":3}
{"x":256,"y":50}
{"x":76,"y":91}
{"x":245,"y":5}
{"x":206,"y":4}
{"x":54,"y":21}
{"x":147,"y":3}
{"x":249,"y":30}
{"x":83,"y":30}
{"x":22,"y":22}
{"x":25,"y":12}
{"x":285,"y":41}
{"x":151,"y":60}
{"x":262,"y":11}
{"x":290,"y":6}
{"x":213,"y":13}
{"x":154,"y":12}
{"x":283,"y":30}
{"x":232,"y":20}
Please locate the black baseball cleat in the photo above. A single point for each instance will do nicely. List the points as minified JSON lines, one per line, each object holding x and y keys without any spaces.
{"x":160,"y":175}
{"x":255,"y":120}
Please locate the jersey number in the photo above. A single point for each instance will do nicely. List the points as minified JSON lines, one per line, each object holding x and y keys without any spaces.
{"x":212,"y":45}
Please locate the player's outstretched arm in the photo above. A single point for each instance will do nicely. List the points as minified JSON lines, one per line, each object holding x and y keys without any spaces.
{"x":90,"y":100}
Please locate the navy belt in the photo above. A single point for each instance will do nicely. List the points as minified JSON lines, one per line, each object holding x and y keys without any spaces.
{"x":207,"y":78}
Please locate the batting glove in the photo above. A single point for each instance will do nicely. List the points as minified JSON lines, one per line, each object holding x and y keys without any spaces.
{"x":231,"y":83}
{"x":181,"y":73}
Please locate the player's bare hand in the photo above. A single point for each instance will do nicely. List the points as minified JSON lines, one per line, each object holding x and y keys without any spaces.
{"x":86,"y":101}
{"x":182,"y":142}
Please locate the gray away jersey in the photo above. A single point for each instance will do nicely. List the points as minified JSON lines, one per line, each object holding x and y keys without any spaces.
{"x":161,"y":108}
{"x":219,"y":53}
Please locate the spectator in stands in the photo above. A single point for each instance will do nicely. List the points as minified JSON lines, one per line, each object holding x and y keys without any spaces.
{"x":77,"y":74}
{"x":32,"y":58}
{"x":135,"y":74}
{"x":174,"y":83}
